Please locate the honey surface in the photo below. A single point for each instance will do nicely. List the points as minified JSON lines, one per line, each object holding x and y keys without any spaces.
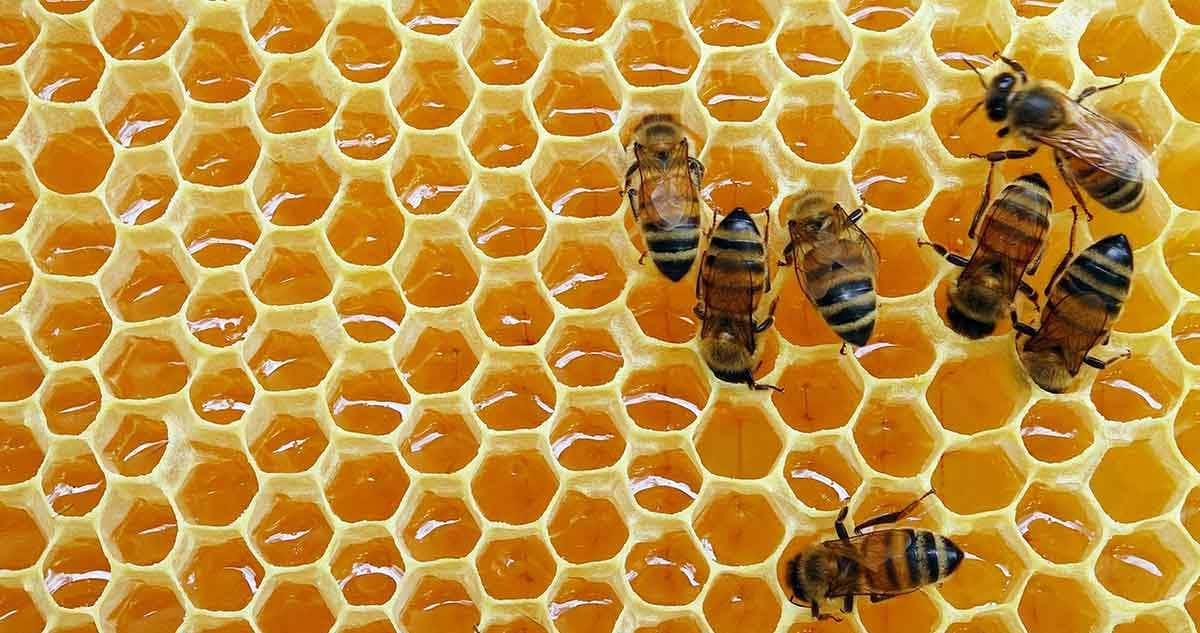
{"x":327,"y":316}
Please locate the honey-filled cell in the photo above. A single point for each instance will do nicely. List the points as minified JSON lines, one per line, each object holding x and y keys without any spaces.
{"x":372,"y":401}
{"x":1055,"y":431}
{"x":368,"y":569}
{"x":1058,"y":523}
{"x":143,"y":527}
{"x":439,"y":442}
{"x":221,"y":575}
{"x":578,"y":19}
{"x":70,"y":401}
{"x":1057,"y":604}
{"x":15,"y":278}
{"x":823,"y":478}
{"x":664,"y":310}
{"x":738,"y":529}
{"x":668,"y":397}
{"x":363,"y":46}
{"x":294,"y":606}
{"x":76,"y":571}
{"x":803,"y":403}
{"x":655,"y":52}
{"x":17,"y":194}
{"x":585,"y":606}
{"x":586,"y":529}
{"x":501,"y":52}
{"x":17,"y":32}
{"x":439,"y":606}
{"x":514,"y":487}
{"x":290,"y":531}
{"x":137,"y":445}
{"x":366,"y":487}
{"x":439,"y":361}
{"x":26,"y":538}
{"x":1128,"y":500}
{"x":515,"y":569}
{"x":737,"y":442}
{"x":74,"y":485}
{"x":886,"y":90}
{"x":288,"y":444}
{"x":1135,"y":388}
{"x":668,"y":570}
{"x":822,"y":130}
{"x":910,"y":613}
{"x":287,"y":26}
{"x":508,"y":226}
{"x":440,"y":527}
{"x":991,"y":570}
{"x":817,"y":45}
{"x":665,"y":482}
{"x":884,"y":425}
{"x":514,"y":394}
{"x":977,"y":393}
{"x":21,"y":613}
{"x":899,"y":348}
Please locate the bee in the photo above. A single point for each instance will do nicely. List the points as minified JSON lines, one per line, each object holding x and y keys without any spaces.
{"x":663,"y":185}
{"x":1010,"y":244}
{"x":1100,"y":154}
{"x":733,"y":277}
{"x":835,"y":263}
{"x":882,"y":564}
{"x":1083,"y":300}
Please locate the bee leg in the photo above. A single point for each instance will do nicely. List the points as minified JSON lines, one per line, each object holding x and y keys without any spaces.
{"x":891,"y":517}
{"x":1029,"y":293}
{"x":642,"y":259}
{"x":789,"y":252}
{"x":758,"y":386}
{"x":839,"y":524}
{"x":1019,"y":69}
{"x":770,"y":320}
{"x":983,"y":204}
{"x":629,"y":190}
{"x":699,"y":310}
{"x":880,"y":597}
{"x":1067,"y":257}
{"x":953,"y":258}
{"x":855,"y":215}
{"x":848,"y":603}
{"x":1074,"y":188}
{"x":1022,"y":329}
{"x":842,"y":351}
{"x":1091,"y":90}
{"x":1092,"y":361}
{"x":766,"y":246}
{"x":696,"y":169}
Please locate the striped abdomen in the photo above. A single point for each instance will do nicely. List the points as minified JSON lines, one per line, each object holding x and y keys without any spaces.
{"x":1016,"y":225}
{"x":734,"y":267}
{"x":839,"y":276}
{"x":1115,"y":192}
{"x":1104,"y":270}
{"x":898,"y":560}
{"x":673,"y":248}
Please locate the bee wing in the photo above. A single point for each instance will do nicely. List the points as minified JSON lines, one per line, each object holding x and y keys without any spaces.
{"x":1008,"y":250}
{"x":1075,"y":335}
{"x":668,"y":190}
{"x":1100,"y":141}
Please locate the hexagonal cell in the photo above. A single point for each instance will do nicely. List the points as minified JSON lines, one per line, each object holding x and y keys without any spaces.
{"x":1143,"y":566}
{"x":665,"y":482}
{"x":911,"y":613}
{"x":1179,"y":76}
{"x":439,"y":442}
{"x":72,"y":154}
{"x":508,"y":222}
{"x":26,"y":537}
{"x":1180,"y":251}
{"x":364,"y":129}
{"x":143,"y":603}
{"x":583,"y":357}
{"x":73,"y":239}
{"x":668,"y":397}
{"x":1153,"y":491}
{"x":664,"y":310}
{"x":736,"y":176}
{"x":1187,"y":431}
{"x":884,"y":426}
{"x":132,"y":30}
{"x":370,"y":308}
{"x":362,"y":45}
{"x":13,"y":102}
{"x":963,"y":35}
{"x":76,"y":571}
{"x":986,"y":622}
{"x":514,"y":313}
{"x":289,"y":530}
{"x":145,"y":284}
{"x":367,"y":568}
{"x":216,"y":150}
{"x":288,"y":26}
{"x":441,"y":275}
{"x":904,"y":267}
{"x":294,"y":605}
{"x":73,"y":482}
{"x":585,"y":438}
{"x":741,"y":604}
{"x":522,"y":624}
{"x":1058,"y":523}
{"x":736,"y":87}
{"x":292,"y":193}
{"x":1152,"y":299}
{"x":991,"y":570}
{"x":1146,"y":385}
{"x":368,"y":400}
{"x":367,"y":226}
{"x":218,"y":65}
{"x":738,"y":529}
{"x":497,"y":135}
{"x":64,"y":67}
{"x":141,"y":188}
{"x":654,"y":49}
{"x":15,"y":275}
{"x":578,"y":19}
{"x":514,"y":393}
{"x":219,"y":484}
{"x":139,"y":525}
{"x":1057,"y":604}
{"x":586,"y":529}
{"x":880,"y":15}
{"x":581,"y":274}
{"x":1163,"y":621}
{"x":432,"y":17}
{"x":721,"y":23}
{"x":22,"y":374}
{"x":19,"y":31}
{"x":296,"y":96}
{"x":366,"y":486}
{"x":70,"y":322}
{"x":438,"y":605}
{"x":431,"y":89}
{"x":65,"y":7}
{"x":970,"y":480}
{"x":136,"y":445}
{"x":1055,"y":431}
{"x":1185,"y":332}
{"x":815,"y":42}
{"x":1127,"y":42}
{"x":514,"y":486}
{"x":142,"y":365}
{"x":18,"y":194}
{"x":737,"y":442}
{"x":891,"y":176}
{"x":222,"y":392}
{"x":582,"y":605}
{"x":440,"y":527}
{"x":22,"y":453}
{"x":222,"y":227}
{"x":1034,"y":8}
{"x":579,"y":181}
{"x":803,"y":409}
{"x":139,"y":105}
{"x":430,"y":174}
{"x":503,"y":44}
{"x":818,"y":125}
{"x":21,"y":613}
{"x":516,"y":568}
{"x":899,"y":347}
{"x":289,"y":270}
{"x":667,"y":570}
{"x":287,"y":438}
{"x":220,"y":574}
{"x":437,"y":360}
{"x":957,"y":398}
{"x":220,"y":313}
{"x":576,"y":97}
{"x":70,"y":401}
{"x":823,"y":478}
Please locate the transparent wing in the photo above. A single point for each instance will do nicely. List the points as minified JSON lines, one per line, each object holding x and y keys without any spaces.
{"x":668,"y":192}
{"x":1102,"y":142}
{"x":1074,"y":323}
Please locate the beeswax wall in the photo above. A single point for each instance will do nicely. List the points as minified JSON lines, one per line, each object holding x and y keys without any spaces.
{"x":327,"y":316}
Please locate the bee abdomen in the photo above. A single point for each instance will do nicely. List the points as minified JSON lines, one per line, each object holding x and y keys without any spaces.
{"x":930,"y":558}
{"x":1114,"y":192}
{"x":1104,"y":269}
{"x":673,"y":250}
{"x":849,"y":309}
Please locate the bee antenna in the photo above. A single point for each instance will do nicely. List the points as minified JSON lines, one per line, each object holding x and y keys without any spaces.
{"x":978,"y":74}
{"x":963,"y":118}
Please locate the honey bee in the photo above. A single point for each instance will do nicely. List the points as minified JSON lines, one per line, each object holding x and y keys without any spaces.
{"x":882,"y":564}
{"x":733,"y":277}
{"x":1083,"y":300}
{"x":663,"y":185}
{"x":1010,"y":245}
{"x":1098,"y":153}
{"x":835,"y":263}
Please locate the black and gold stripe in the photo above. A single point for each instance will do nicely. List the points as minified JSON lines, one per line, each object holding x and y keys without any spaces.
{"x":1114,"y":192}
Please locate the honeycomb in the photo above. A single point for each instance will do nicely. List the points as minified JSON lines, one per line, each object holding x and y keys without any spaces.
{"x":327,"y":316}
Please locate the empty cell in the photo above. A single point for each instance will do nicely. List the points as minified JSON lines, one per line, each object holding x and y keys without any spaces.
{"x":1055,"y":431}
{"x":367,"y":568}
{"x":667,"y":570}
{"x":893,"y":438}
{"x":218,"y":66}
{"x":665,"y":482}
{"x":1057,"y":604}
{"x":137,"y":30}
{"x":290,"y":531}
{"x":991,"y":570}
{"x":741,"y":604}
{"x":141,"y":366}
{"x":880,"y":15}
{"x":585,"y":529}
{"x":439,"y":361}
{"x":514,"y":487}
{"x":439,"y":606}
{"x":220,"y":317}
{"x":288,"y":443}
{"x":371,"y":401}
{"x":139,"y":526}
{"x":221,"y":575}
{"x":363,"y":46}
{"x":655,"y":50}
{"x":516,"y":568}
{"x":366,"y":225}
{"x":439,"y":442}
{"x":1128,"y":499}
{"x":366,"y":487}
{"x":18,"y":193}
{"x":664,"y":310}
{"x":977,"y":393}
{"x":287,"y":26}
{"x":364,"y":130}
{"x":823,"y":478}
{"x":432,"y":17}
{"x":70,"y":401}
{"x":219,"y":485}
{"x":578,"y":19}
{"x":738,"y":529}
{"x":222,"y":227}
{"x":440,"y":527}
{"x":737,"y":177}
{"x":137,"y":444}
{"x":294,"y":606}
{"x":737,"y":442}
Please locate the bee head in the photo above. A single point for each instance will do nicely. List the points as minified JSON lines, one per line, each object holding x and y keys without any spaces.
{"x":998,"y":94}
{"x":974,"y":309}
